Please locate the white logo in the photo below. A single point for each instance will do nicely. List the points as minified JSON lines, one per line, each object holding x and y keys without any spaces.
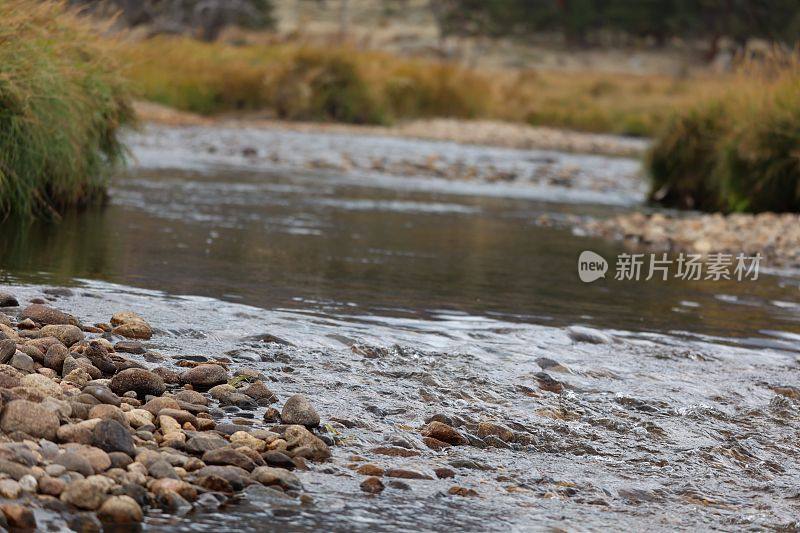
{"x":591,"y":266}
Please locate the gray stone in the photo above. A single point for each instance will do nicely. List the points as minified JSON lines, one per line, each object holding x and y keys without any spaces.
{"x":30,"y":418}
{"x":267,"y":475}
{"x":111,"y":436}
{"x":21,"y":361}
{"x":205,"y":376}
{"x":298,"y":410}
{"x":75,"y":463}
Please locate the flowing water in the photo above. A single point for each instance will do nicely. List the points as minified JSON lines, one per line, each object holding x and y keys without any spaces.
{"x":401,"y":290}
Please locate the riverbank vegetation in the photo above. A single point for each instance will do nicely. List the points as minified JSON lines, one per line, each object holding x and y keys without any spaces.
{"x":737,"y":152}
{"x":62,"y":101}
{"x":344,"y":84}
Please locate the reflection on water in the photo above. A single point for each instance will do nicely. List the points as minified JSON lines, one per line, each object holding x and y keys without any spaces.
{"x":315,"y":242}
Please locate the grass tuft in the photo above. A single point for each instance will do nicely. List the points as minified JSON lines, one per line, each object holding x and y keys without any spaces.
{"x":61,"y":104}
{"x":735,"y":153}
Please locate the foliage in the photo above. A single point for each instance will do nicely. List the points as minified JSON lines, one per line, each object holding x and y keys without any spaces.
{"x":582,"y":20}
{"x":740,"y":152}
{"x":302,"y":82}
{"x":61,"y":104}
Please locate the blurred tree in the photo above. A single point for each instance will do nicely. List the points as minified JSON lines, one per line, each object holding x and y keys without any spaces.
{"x":206,"y":18}
{"x":581,"y":21}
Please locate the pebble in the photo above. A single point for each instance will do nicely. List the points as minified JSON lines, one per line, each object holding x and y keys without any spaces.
{"x":10,"y":489}
{"x":372,"y":485}
{"x":298,"y":410}
{"x":588,"y":335}
{"x":443,"y":433}
{"x":54,"y":357}
{"x":21,"y":361}
{"x":74,"y":462}
{"x":139,"y":380}
{"x":370,"y":470}
{"x":88,"y":494}
{"x":66,"y":334}
{"x":8,"y":300}
{"x":130,"y":325}
{"x":267,"y":475}
{"x":205,"y":376}
{"x":128,"y":346}
{"x":44,"y":314}
{"x":120,"y":510}
{"x":30,"y":418}
{"x":111,"y":436}
{"x":19,"y":517}
{"x":7,"y":349}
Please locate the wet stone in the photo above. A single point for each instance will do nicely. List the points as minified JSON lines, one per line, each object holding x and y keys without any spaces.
{"x":298,"y":411}
{"x":111,"y":436}
{"x":18,"y":517}
{"x":228,"y":456}
{"x":205,"y":376}
{"x":45,"y":315}
{"x":8,"y":300}
{"x":103,"y":394}
{"x":139,"y":380}
{"x":130,"y":346}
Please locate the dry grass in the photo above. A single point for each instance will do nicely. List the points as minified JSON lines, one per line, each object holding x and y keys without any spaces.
{"x":738,"y":151}
{"x":350,"y":85}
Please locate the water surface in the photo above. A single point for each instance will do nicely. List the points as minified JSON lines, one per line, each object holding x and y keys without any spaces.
{"x":456,"y":290}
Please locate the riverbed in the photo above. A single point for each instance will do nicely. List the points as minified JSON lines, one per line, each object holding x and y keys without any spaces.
{"x":392,"y":280}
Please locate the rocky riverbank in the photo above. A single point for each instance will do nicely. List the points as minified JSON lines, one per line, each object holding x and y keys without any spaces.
{"x":86,"y":426}
{"x":775,"y":236}
{"x":99,"y":429}
{"x":478,"y":132}
{"x":233,"y":414}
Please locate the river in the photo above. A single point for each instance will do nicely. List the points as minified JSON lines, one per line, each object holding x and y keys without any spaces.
{"x":456,"y":290}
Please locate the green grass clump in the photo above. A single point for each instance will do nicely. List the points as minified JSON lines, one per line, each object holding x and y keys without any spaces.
{"x":739,"y":153}
{"x":61,"y":104}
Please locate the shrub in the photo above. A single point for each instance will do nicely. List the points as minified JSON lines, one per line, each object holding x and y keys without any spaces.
{"x":739,"y":153}
{"x":61,"y":104}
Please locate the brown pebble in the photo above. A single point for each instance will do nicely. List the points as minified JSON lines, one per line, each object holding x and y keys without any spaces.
{"x":395,"y":451}
{"x":406,"y":474}
{"x":372,"y":485}
{"x":370,"y":470}
{"x":19,"y":516}
{"x":455,"y":490}
{"x":444,"y":433}
{"x":444,"y":473}
{"x":434,"y":444}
